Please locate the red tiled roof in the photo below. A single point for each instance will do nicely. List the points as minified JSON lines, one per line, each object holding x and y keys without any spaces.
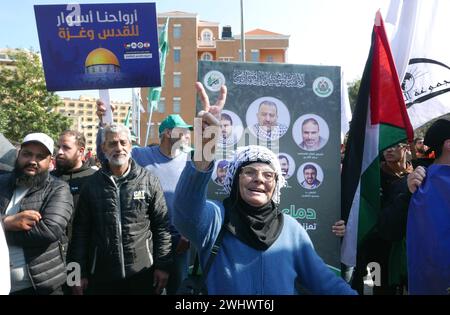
{"x":259,"y":31}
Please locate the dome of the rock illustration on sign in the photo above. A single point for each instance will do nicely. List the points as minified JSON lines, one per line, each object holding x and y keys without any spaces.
{"x":101,"y":60}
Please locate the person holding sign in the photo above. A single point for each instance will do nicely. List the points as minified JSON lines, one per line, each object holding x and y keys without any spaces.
{"x":263,"y":251}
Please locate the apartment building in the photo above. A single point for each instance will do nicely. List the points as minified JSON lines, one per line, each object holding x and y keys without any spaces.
{"x":190,"y":40}
{"x":82,"y":112}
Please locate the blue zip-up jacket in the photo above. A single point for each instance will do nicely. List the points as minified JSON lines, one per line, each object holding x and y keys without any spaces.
{"x":240,"y":269}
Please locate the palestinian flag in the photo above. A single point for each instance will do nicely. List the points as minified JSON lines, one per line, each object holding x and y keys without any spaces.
{"x":379,"y":121}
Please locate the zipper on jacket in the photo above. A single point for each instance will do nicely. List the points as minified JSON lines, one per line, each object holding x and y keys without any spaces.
{"x":31,"y":278}
{"x":94,"y":261}
{"x":148,"y":251}
{"x":119,"y":223}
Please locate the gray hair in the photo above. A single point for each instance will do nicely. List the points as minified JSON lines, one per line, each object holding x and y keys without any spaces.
{"x":254,"y":153}
{"x":116,"y":129}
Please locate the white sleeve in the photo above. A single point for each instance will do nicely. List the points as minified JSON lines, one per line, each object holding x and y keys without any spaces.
{"x":5,"y":282}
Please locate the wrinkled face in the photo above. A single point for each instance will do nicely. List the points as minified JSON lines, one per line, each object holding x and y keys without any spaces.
{"x":395,"y":154}
{"x":267,"y":116}
{"x":310,"y":176}
{"x":310,"y":133}
{"x":284,"y":163}
{"x":33,"y":159}
{"x":68,"y":154}
{"x":257,"y":183}
{"x":117,"y":149}
{"x":226,"y":128}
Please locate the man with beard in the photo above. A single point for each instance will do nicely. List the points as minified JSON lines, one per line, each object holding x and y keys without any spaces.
{"x":284,"y":163}
{"x":310,"y":175}
{"x":35,"y":208}
{"x":311,"y":138}
{"x":166,"y":161}
{"x":70,"y":166}
{"x":420,"y":148}
{"x":268,"y":127}
{"x":120,"y":235}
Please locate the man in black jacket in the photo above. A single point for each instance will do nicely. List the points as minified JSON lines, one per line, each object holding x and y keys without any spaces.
{"x":70,"y":167}
{"x":120,"y":237}
{"x":35,"y":210}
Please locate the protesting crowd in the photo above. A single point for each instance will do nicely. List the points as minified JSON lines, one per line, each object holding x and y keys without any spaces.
{"x":132,"y":226}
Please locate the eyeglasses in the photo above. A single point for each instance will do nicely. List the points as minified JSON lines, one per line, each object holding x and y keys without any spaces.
{"x":252,"y":173}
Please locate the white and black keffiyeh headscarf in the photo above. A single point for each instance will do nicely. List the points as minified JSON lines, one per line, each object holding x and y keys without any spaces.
{"x":255,"y":153}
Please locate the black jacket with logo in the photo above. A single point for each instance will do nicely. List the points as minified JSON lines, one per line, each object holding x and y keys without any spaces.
{"x":76,"y":179}
{"x":120,"y":230}
{"x":44,"y":244}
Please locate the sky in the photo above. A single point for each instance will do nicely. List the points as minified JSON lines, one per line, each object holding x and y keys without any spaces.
{"x":322,"y":32}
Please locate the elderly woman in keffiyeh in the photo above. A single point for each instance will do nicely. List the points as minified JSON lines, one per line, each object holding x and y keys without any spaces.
{"x":263,"y":251}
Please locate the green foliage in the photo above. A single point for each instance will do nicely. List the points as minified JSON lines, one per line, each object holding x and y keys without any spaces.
{"x":353,"y":89}
{"x":25,"y":104}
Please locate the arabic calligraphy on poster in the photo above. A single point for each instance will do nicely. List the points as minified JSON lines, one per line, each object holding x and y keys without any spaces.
{"x":98,"y":46}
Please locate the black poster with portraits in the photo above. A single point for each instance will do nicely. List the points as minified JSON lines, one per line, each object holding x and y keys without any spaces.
{"x":295,"y":111}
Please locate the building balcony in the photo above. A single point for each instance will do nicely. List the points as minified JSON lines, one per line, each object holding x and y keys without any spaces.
{"x":206,"y":43}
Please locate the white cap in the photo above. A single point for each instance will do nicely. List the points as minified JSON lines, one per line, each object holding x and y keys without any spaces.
{"x":41,"y":138}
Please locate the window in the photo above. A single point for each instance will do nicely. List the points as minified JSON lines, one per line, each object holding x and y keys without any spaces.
{"x":240,"y":54}
{"x":152,"y":130}
{"x":206,"y":56}
{"x":176,"y":105}
{"x":270,"y":58}
{"x":162,"y":105}
{"x":71,"y":104}
{"x":207,"y":35}
{"x":176,"y":54}
{"x":255,"y":55}
{"x":177,"y":31}
{"x":176,"y":79}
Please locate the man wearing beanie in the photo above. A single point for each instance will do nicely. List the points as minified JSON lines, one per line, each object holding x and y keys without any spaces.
{"x":428,"y":237}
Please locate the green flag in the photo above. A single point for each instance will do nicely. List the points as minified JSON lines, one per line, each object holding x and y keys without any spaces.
{"x":154,"y":94}
{"x":127,"y":119}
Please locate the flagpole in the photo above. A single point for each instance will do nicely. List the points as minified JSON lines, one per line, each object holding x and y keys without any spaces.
{"x":242,"y":32}
{"x":149,"y":123}
{"x":138,"y":131}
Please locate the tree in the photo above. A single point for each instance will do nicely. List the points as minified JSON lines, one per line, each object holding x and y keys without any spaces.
{"x":25,"y":104}
{"x":353,"y":89}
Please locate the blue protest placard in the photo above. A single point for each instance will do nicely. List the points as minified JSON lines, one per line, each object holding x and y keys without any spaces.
{"x":98,"y":46}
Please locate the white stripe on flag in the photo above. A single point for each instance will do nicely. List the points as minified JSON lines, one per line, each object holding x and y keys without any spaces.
{"x":350,"y":241}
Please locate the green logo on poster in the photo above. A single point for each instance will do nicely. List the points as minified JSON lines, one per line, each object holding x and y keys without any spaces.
{"x":213,"y":80}
{"x":323,"y":87}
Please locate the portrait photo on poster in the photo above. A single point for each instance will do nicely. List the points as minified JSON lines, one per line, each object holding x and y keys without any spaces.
{"x":268,"y":118}
{"x":220,"y":172}
{"x":287,"y":164}
{"x":310,"y":132}
{"x":310,"y":175}
{"x":231,"y":129}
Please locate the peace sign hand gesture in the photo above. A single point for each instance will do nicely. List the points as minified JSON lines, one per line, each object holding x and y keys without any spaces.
{"x":210,"y":124}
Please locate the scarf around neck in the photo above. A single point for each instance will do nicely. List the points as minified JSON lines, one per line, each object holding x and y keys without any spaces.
{"x":257,"y":227}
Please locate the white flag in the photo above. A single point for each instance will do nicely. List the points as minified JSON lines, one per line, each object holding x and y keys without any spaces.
{"x":346,"y":112}
{"x":421,"y":51}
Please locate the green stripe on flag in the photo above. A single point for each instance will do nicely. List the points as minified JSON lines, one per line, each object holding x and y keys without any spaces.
{"x":369,"y":200}
{"x":390,"y":135}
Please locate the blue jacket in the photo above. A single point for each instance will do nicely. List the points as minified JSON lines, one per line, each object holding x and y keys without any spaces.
{"x":238,"y":268}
